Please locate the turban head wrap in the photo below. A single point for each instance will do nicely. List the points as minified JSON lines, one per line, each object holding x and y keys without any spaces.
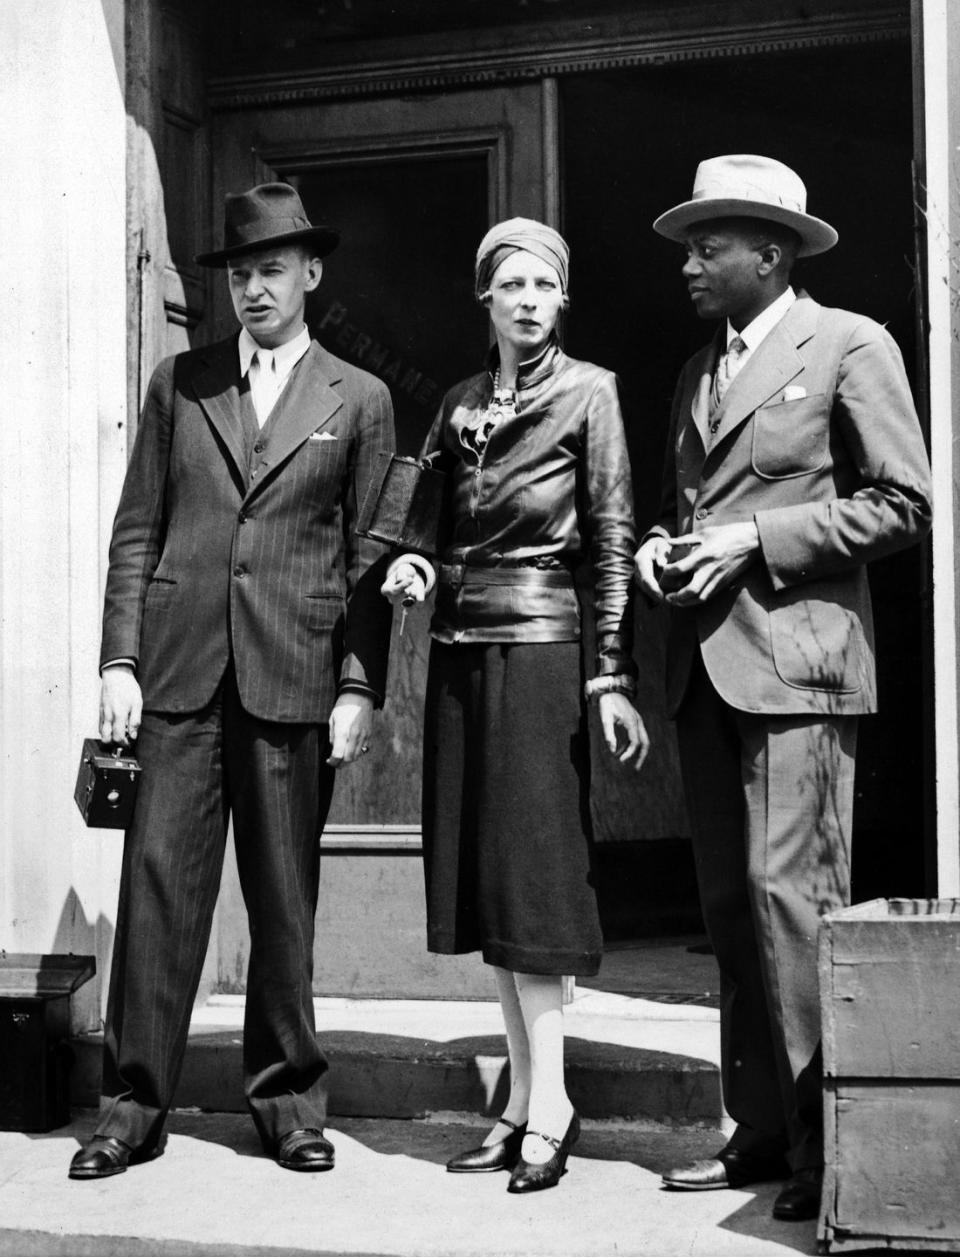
{"x":514,"y":235}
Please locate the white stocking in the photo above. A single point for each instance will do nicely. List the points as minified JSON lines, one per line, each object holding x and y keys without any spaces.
{"x":518,"y":1051}
{"x":540,"y":998}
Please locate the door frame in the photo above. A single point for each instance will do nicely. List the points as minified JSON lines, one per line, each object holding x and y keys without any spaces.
{"x":516,"y":126}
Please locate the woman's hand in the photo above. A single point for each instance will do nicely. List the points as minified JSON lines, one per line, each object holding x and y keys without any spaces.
{"x":623,"y":729}
{"x":409,"y":579}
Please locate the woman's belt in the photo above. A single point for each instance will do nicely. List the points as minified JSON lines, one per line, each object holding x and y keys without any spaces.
{"x":505,"y":604}
{"x":462,"y":574}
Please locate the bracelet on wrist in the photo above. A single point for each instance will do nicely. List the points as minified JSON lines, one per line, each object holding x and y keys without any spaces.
{"x":423,"y":567}
{"x":617,"y":683}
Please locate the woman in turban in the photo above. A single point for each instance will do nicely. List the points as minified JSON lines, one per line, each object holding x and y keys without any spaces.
{"x":538,"y":481}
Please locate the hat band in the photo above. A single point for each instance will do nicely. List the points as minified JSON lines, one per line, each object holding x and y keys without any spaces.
{"x":264,"y":229}
{"x":746,"y":192}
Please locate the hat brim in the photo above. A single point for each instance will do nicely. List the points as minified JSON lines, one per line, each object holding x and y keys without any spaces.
{"x":816,"y":236}
{"x":322,"y":240}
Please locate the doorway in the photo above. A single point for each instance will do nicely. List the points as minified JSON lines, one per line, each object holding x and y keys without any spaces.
{"x":842,"y":117}
{"x":413,"y":182}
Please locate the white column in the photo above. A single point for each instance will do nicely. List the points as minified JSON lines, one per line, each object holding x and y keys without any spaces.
{"x":941,"y":62}
{"x":63,"y":453}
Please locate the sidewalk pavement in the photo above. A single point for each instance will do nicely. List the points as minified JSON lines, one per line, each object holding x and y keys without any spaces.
{"x":214,"y":1194}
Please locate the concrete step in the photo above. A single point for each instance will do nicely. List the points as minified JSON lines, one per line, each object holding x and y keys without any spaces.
{"x":633,"y":1059}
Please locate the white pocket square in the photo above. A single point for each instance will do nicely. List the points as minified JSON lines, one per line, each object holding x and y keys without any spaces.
{"x":321,"y":436}
{"x":794,"y":393}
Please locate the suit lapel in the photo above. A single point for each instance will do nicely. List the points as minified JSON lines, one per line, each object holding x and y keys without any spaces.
{"x":307,"y":403}
{"x":703,"y":388}
{"x":774,"y":364}
{"x":217,"y":390}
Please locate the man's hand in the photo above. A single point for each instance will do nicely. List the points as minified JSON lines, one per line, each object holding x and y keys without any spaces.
{"x":351,"y":722}
{"x":623,"y":729}
{"x":716,"y":556}
{"x":121,"y":704}
{"x":649,"y":561}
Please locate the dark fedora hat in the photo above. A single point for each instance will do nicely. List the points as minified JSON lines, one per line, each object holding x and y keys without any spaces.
{"x":269,"y":215}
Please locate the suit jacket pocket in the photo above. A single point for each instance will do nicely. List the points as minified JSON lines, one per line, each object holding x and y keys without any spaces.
{"x":323,"y":611}
{"x":818,"y":643}
{"x":160,"y":592}
{"x":791,"y":438}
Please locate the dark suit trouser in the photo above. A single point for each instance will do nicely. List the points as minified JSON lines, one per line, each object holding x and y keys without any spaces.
{"x":198,"y":770}
{"x":770,"y":800}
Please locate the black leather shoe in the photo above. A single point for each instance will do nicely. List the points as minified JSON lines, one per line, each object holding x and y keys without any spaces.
{"x":799,"y":1199}
{"x":305,"y":1150}
{"x":527,"y":1176}
{"x":729,"y":1168}
{"x":502,"y":1155}
{"x":105,"y":1155}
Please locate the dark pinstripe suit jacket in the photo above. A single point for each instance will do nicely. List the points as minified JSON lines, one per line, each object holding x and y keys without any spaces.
{"x":218,"y":548}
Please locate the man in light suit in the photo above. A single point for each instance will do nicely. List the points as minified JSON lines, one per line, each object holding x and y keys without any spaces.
{"x":244,"y":648}
{"x":794,"y":458}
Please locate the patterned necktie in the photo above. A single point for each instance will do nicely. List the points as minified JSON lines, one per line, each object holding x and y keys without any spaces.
{"x":728,"y":365}
{"x":264,"y":384}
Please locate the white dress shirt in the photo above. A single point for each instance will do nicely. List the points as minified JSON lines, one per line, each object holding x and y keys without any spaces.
{"x":269,"y":369}
{"x":762,"y":325}
{"x":739,"y":347}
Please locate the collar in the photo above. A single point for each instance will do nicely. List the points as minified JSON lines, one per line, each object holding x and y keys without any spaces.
{"x":764,"y":323}
{"x":286,"y":355}
{"x":534,"y":369}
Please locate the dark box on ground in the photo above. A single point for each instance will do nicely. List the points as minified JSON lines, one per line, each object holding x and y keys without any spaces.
{"x":35,"y":1057}
{"x":890,"y":995}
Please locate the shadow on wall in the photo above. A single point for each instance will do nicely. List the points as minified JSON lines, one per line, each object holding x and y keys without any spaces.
{"x":76,"y":935}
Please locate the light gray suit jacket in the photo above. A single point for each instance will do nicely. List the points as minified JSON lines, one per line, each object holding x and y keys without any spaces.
{"x":818,"y":442}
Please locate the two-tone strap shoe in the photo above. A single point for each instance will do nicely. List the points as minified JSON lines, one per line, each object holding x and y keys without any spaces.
{"x":105,"y":1155}
{"x":305,"y":1150}
{"x":731,"y":1167}
{"x":501,"y":1155}
{"x":528,"y":1176}
{"x":799,"y":1198}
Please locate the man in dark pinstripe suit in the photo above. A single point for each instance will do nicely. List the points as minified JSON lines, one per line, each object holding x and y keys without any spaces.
{"x":244,"y":647}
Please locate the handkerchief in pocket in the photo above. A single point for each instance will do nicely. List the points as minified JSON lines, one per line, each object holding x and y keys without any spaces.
{"x":322,"y":436}
{"x":794,"y":393}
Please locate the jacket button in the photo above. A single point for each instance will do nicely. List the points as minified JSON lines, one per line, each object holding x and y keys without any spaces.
{"x":242,"y":518}
{"x":239,"y":570}
{"x":258,"y":448}
{"x":702,"y":514}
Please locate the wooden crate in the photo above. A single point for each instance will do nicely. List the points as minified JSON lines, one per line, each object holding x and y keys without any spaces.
{"x":890,"y":995}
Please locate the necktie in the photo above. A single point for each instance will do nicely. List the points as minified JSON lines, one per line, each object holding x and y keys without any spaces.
{"x":728,"y":365}
{"x":264,"y":383}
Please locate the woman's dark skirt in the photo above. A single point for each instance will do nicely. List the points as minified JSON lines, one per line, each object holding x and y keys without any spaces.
{"x":506,"y":821}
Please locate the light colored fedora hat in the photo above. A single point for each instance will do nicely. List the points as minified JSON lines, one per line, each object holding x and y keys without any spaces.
{"x":744,"y":186}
